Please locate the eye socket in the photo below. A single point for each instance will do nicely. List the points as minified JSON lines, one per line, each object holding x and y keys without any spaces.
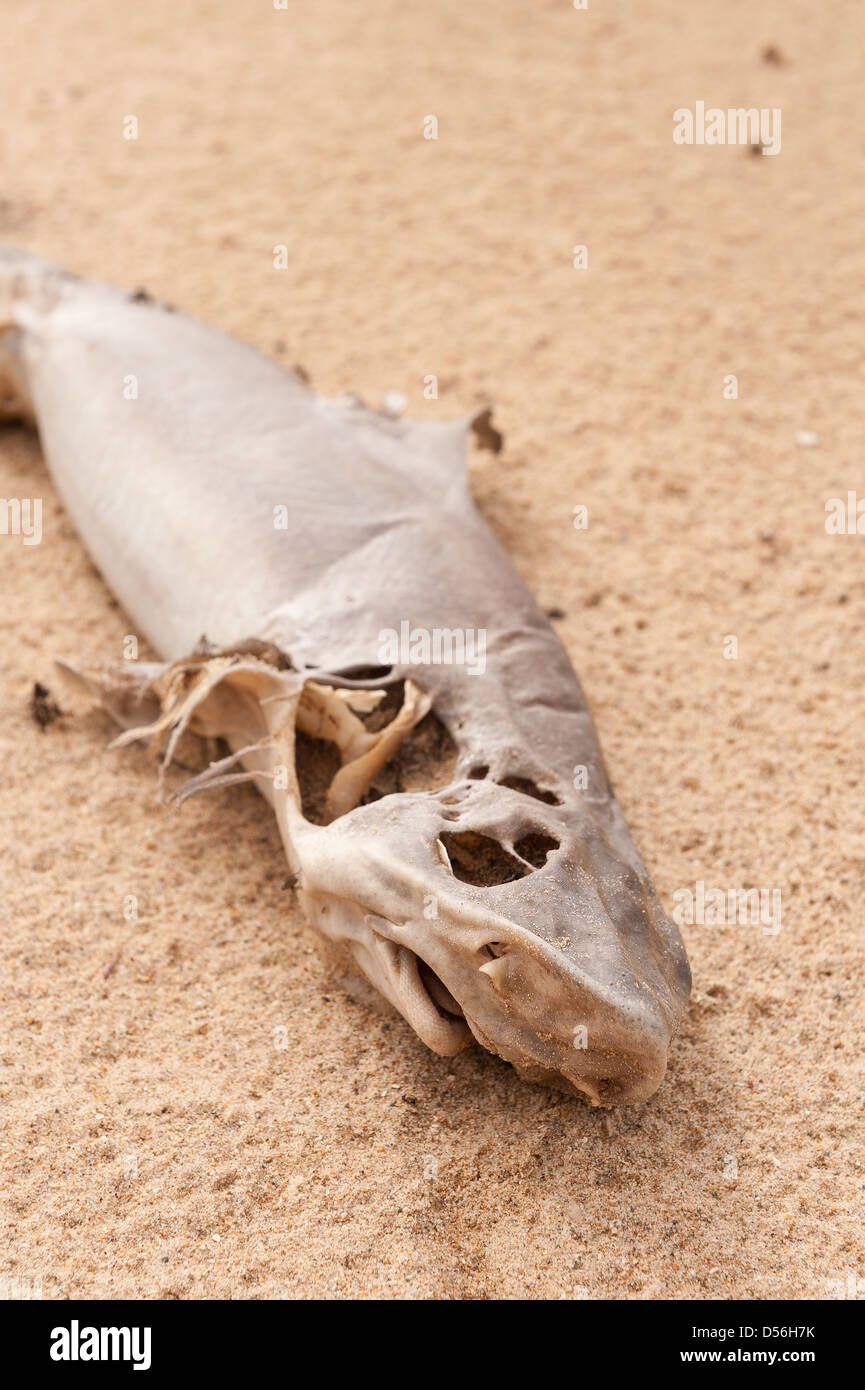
{"x":482,"y":861}
{"x":494,"y":949}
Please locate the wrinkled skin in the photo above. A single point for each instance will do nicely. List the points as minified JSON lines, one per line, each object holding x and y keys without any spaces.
{"x":572,"y":972}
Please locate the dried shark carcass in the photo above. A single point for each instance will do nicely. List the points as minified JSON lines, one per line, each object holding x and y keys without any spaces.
{"x":429,"y":810}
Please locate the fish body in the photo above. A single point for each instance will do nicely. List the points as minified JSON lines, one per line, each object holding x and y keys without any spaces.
{"x":333,"y":561}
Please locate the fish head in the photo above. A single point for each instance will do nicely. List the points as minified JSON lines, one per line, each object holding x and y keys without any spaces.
{"x":487,"y":907}
{"x":483,"y":914}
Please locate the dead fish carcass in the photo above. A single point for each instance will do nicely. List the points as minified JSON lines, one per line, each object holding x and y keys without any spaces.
{"x":428,"y":807}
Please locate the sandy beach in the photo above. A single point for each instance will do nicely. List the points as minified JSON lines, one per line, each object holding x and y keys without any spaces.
{"x":191,"y":1106}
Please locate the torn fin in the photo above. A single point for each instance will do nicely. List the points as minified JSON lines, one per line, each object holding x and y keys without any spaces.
{"x":220,"y":697}
{"x":256,"y":707}
{"x":427,"y":456}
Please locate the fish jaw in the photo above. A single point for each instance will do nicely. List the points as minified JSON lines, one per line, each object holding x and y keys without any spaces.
{"x":540,"y":971}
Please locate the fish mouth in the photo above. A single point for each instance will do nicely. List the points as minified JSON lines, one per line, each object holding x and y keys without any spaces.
{"x":422,"y":998}
{"x":624,"y":1065}
{"x":437,"y":989}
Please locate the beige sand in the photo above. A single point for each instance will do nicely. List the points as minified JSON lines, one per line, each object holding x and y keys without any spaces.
{"x":189,"y":1108}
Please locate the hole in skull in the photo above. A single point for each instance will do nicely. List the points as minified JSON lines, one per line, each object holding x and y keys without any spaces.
{"x":480,"y":860}
{"x":530,"y":788}
{"x":535,"y":848}
{"x":425,"y":761}
{"x":316,"y":763}
{"x":525,"y":785}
